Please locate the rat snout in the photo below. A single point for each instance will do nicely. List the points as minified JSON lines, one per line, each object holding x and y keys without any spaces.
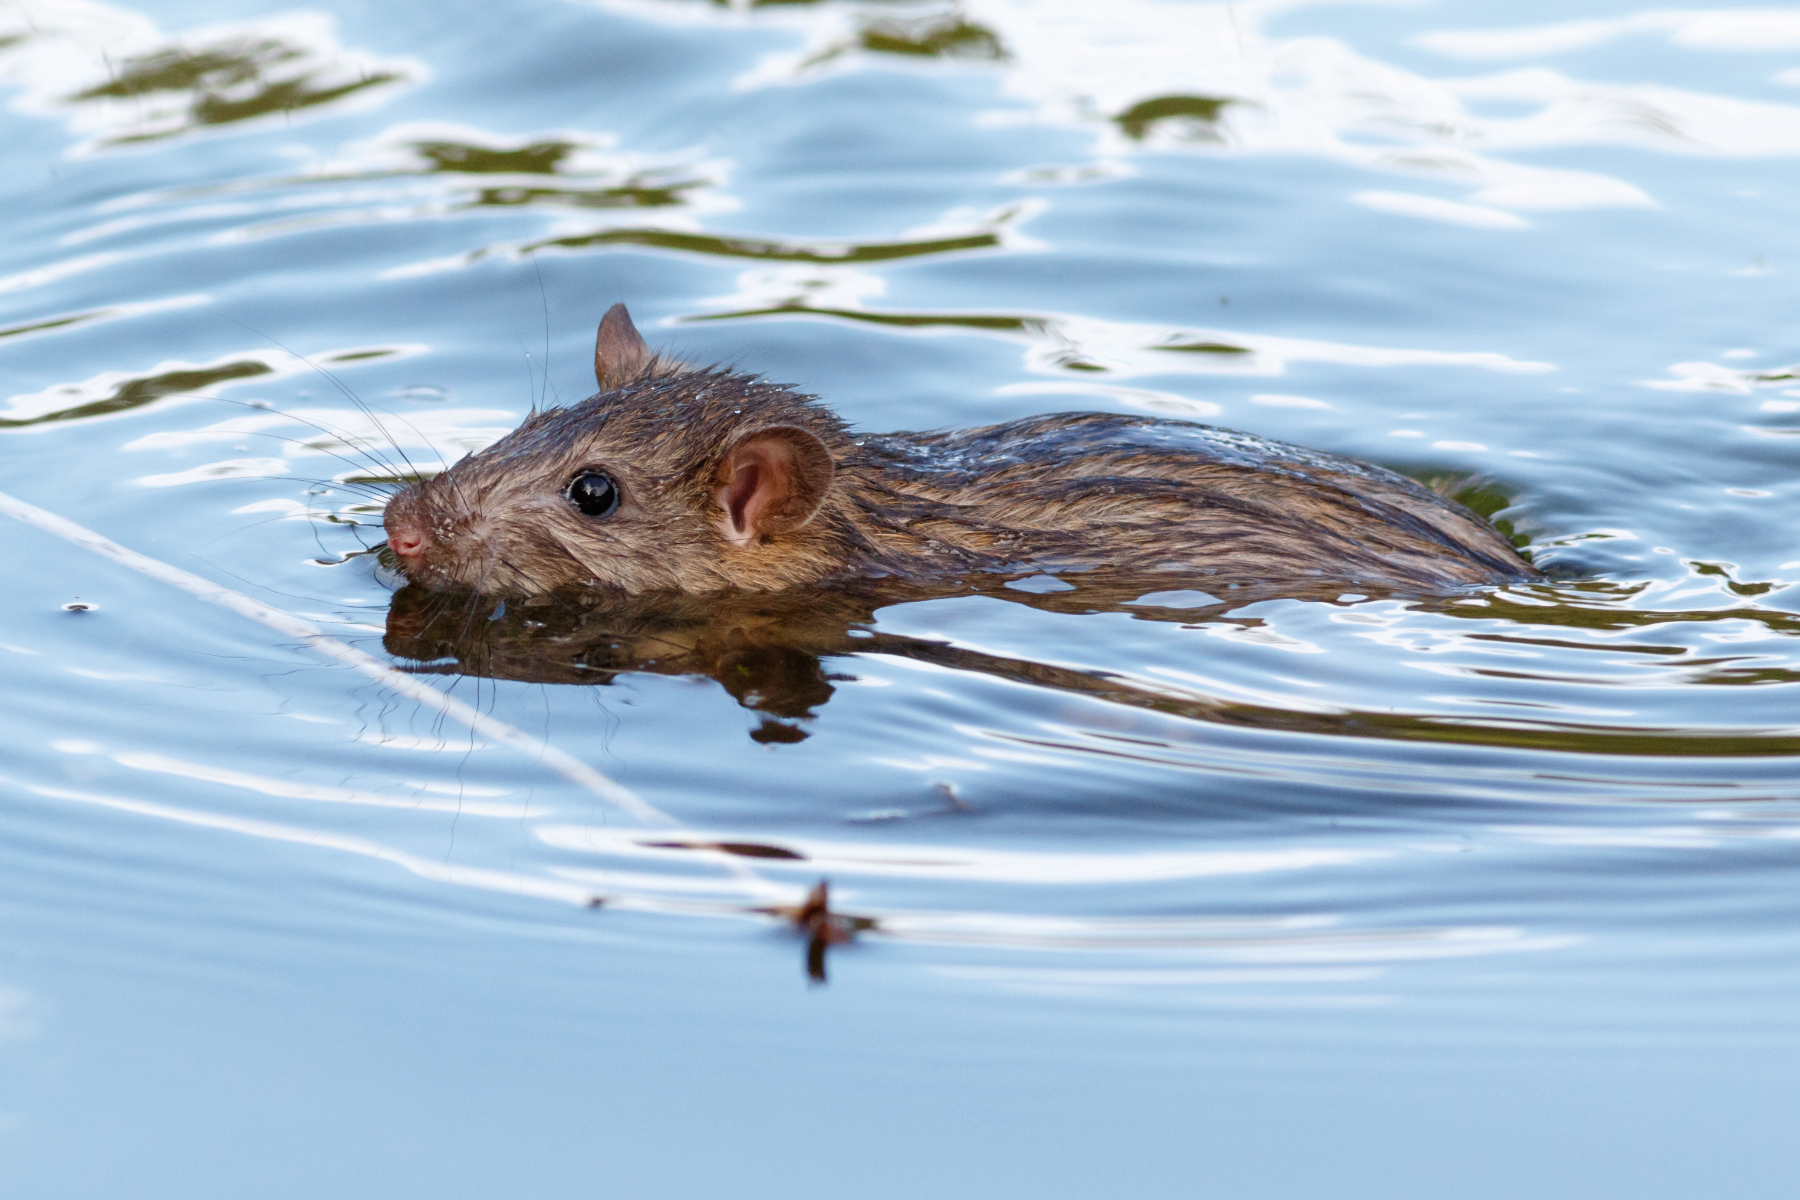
{"x":407,"y":537}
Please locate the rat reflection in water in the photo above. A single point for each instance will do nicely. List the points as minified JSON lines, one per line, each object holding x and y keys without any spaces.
{"x":768,"y":650}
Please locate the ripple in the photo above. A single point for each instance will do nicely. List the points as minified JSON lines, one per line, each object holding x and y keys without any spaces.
{"x":121,"y":82}
{"x":112,"y":393}
{"x":1063,"y":343}
{"x":1158,"y":76}
{"x":1761,"y":30}
{"x":288,"y":789}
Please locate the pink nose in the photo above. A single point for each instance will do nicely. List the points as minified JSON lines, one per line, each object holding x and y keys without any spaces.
{"x":407,"y":540}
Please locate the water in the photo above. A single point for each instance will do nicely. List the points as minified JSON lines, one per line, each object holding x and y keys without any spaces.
{"x":1480,"y":896}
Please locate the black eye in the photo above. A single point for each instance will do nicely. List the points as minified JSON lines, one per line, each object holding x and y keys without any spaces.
{"x":594,"y":494}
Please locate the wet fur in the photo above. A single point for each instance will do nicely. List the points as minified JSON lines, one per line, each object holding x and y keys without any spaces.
{"x":1071,"y":491}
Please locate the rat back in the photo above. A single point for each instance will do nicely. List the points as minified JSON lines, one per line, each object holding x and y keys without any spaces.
{"x":1087,"y":490}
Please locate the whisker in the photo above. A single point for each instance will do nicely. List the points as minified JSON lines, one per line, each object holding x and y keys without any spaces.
{"x":349,"y":440}
{"x":257,"y":584}
{"x":544,"y":299}
{"x":530,"y":382}
{"x":347,"y":393}
{"x":349,"y":462}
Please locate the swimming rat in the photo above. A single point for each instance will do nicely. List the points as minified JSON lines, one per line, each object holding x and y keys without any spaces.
{"x":673,"y":478}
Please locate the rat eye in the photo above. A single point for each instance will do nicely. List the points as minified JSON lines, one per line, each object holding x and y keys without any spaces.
{"x":594,"y":494}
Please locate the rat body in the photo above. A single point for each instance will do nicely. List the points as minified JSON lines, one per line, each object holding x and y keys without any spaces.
{"x":685,"y":480}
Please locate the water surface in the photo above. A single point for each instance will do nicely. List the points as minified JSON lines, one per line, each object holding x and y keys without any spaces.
{"x":1252,"y":895}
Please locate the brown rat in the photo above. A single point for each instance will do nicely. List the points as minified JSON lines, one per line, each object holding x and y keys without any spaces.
{"x":698,"y":480}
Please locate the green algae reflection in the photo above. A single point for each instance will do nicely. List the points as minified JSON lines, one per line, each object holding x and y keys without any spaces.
{"x":767,"y":249}
{"x":142,"y":390}
{"x":944,"y":36}
{"x":999,"y":324}
{"x":537,"y":158}
{"x":546,"y":158}
{"x":951,"y":38}
{"x":1197,"y":115}
{"x":1030,"y":326}
{"x":233,"y":81}
{"x":49,"y":323}
{"x":135,"y":393}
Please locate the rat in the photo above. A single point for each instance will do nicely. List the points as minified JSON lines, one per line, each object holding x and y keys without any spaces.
{"x":674,"y":478}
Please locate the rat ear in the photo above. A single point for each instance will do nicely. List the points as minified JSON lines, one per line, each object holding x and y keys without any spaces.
{"x":620,"y":354}
{"x":770,"y":481}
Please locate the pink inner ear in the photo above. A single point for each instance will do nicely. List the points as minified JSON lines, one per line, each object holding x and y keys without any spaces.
{"x":744,"y":500}
{"x":771,"y":482}
{"x":754,"y":484}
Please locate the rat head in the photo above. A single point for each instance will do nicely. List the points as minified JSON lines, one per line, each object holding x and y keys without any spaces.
{"x":669,"y":478}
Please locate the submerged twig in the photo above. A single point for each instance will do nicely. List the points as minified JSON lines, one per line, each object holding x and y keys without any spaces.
{"x":410,"y":686}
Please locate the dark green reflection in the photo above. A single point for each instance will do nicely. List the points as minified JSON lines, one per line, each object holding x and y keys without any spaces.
{"x":772,"y":652}
{"x":1000,"y":323}
{"x":539,"y":158}
{"x":383,"y":479}
{"x":1483,"y":495}
{"x":1199,"y":112}
{"x":55,"y":322}
{"x":1203,"y":347}
{"x":179,"y":70}
{"x":947,"y":37}
{"x":135,"y":393}
{"x":228,"y":83}
{"x":767,"y":250}
{"x":897,"y":320}
{"x":545,"y":158}
{"x":1599,"y":604}
{"x":939,"y":35}
{"x":627,"y":196}
{"x":287,"y":96}
{"x":545,"y":166}
{"x":360,"y":355}
{"x":1722,"y":571}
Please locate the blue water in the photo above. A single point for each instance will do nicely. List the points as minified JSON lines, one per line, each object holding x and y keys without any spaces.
{"x":1482,"y":896}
